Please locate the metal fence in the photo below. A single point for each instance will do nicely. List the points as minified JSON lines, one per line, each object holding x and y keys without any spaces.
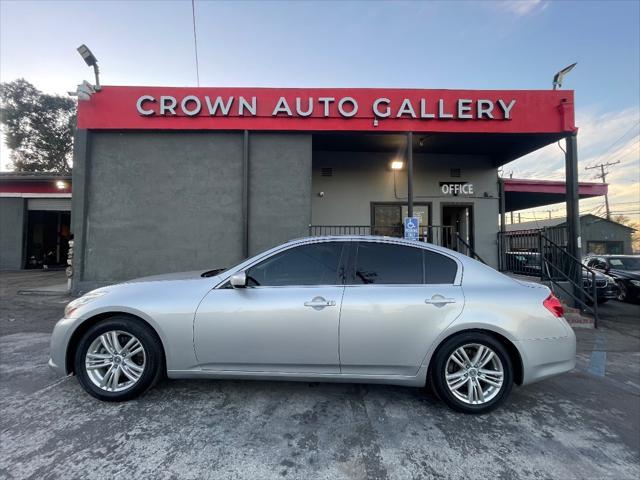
{"x":441,"y":235}
{"x":436,"y":234}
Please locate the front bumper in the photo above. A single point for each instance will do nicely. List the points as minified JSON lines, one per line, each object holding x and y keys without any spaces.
{"x":59,"y":341}
{"x":546,"y":357}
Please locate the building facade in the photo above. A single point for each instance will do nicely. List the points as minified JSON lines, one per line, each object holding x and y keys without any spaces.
{"x":170,"y":179}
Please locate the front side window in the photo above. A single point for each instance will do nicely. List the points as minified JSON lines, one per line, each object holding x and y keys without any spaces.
{"x":314,"y":264}
{"x":387,"y":264}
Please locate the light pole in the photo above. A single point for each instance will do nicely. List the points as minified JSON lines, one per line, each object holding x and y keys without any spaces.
{"x":558,"y":77}
{"x":91,"y":60}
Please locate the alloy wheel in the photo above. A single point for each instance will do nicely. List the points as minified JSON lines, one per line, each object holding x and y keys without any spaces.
{"x":474,"y":374}
{"x":115,"y":361}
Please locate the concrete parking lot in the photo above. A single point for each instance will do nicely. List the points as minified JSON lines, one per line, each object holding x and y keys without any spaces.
{"x":581,"y":425}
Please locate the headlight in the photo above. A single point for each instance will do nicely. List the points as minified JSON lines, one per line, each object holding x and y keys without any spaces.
{"x":83,"y":300}
{"x":610,"y":280}
{"x":635,"y":283}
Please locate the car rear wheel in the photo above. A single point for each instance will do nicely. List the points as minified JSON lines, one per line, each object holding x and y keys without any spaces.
{"x":472,"y":373}
{"x":118,"y":359}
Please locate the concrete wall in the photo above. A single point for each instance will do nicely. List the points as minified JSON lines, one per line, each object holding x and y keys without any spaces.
{"x":597,"y":230}
{"x":160,"y":202}
{"x":279,"y":189}
{"x":155,"y":202}
{"x":361,"y":178}
{"x":12,"y":225}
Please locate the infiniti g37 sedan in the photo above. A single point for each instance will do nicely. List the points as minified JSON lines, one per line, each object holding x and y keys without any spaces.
{"x":337,"y":309}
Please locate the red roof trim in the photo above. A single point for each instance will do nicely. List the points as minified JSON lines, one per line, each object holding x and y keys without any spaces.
{"x":552,"y":186}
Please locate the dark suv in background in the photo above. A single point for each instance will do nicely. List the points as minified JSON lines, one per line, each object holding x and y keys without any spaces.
{"x":624,"y":269}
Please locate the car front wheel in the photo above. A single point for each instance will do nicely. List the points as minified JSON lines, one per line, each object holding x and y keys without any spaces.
{"x":118,"y":359}
{"x":472,"y":373}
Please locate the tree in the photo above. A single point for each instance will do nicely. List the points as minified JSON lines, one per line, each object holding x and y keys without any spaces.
{"x":38,"y":127}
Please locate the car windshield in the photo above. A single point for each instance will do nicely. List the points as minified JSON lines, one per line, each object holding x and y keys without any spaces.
{"x":625,"y":263}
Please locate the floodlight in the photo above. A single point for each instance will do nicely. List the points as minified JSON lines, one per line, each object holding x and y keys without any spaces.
{"x":558,"y":77}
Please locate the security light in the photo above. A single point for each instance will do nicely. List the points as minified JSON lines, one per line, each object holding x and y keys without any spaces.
{"x":558,"y":77}
{"x":91,"y":60}
{"x":86,"y":54}
{"x":61,"y":185}
{"x":397,"y":165}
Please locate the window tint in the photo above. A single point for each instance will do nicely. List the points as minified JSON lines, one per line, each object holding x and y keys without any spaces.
{"x":438,"y":268}
{"x":315,"y":264}
{"x":384,"y":263}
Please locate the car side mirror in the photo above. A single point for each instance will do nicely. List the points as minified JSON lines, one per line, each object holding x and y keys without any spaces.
{"x":238,"y":280}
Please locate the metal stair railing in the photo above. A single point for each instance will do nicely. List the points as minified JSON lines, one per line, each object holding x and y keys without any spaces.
{"x":470,"y":252}
{"x":558,"y":265}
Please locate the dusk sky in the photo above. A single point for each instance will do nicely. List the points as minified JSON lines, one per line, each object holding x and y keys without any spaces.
{"x":455,"y":44}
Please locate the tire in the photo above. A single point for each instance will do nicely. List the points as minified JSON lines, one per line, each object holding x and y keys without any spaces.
{"x":498,"y":366}
{"x":126,"y":373}
{"x":622,"y":295}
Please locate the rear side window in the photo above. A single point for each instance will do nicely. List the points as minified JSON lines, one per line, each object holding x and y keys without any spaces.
{"x":384,"y":263}
{"x":314,"y":264}
{"x":438,"y":268}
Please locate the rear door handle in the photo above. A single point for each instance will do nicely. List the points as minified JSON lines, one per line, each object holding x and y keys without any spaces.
{"x":438,"y":300}
{"x":319,"y":303}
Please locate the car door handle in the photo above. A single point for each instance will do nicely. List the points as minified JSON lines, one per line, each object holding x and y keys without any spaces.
{"x":319,"y":302}
{"x":439,"y":300}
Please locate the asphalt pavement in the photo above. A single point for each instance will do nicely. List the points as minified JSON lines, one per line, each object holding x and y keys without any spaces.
{"x":582,"y":425}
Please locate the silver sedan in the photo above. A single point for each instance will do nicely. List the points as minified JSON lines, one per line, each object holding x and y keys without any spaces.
{"x":345,"y":309}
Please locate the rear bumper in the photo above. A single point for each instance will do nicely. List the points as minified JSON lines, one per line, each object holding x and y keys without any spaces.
{"x":547,"y":357}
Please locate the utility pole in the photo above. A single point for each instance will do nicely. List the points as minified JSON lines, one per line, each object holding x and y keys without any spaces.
{"x":603,"y":176}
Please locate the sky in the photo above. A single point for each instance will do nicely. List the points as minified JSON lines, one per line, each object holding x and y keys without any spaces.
{"x":413,"y":44}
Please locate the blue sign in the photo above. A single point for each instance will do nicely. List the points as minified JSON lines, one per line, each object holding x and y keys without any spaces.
{"x":411,"y":228}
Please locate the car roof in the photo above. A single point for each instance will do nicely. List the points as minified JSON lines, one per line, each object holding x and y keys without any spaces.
{"x":381,"y":239}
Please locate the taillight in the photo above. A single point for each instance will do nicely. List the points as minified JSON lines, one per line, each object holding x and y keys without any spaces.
{"x":552,"y":304}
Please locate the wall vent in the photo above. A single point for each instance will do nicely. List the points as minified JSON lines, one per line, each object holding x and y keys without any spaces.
{"x":326,"y":172}
{"x":455,"y":172}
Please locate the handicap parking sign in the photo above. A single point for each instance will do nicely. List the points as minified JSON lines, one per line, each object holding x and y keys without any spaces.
{"x":411,"y":228}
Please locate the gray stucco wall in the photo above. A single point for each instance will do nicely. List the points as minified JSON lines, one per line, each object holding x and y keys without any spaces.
{"x":160,"y":202}
{"x":156,"y":202}
{"x":12,"y":221}
{"x":599,"y":230}
{"x":279,"y":189}
{"x":361,"y":178}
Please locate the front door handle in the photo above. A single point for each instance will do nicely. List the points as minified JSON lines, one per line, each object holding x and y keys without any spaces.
{"x":439,"y":300}
{"x":318,"y":303}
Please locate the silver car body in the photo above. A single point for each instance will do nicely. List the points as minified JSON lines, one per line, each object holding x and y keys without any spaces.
{"x":366,"y":333}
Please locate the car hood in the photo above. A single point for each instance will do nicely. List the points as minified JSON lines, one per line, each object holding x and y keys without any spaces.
{"x":169,"y":276}
{"x":624,"y":274}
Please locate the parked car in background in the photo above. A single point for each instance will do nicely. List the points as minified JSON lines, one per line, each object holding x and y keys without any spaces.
{"x":355,"y":309}
{"x":606,"y":287}
{"x":624,"y":269}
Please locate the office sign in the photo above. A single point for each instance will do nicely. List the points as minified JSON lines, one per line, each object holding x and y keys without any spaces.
{"x":456,"y":188}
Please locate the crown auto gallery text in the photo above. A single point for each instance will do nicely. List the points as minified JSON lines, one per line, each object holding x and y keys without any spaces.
{"x":194,"y":105}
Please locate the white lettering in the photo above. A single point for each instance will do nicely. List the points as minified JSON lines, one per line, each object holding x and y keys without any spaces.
{"x":354,"y":107}
{"x":244,"y":105}
{"x":406,"y":108}
{"x":218,"y":104}
{"x":376,"y":110}
{"x":485,"y":107}
{"x":441,"y":113}
{"x":464,"y":108}
{"x":197,"y":105}
{"x":309,"y":110}
{"x":326,"y":101}
{"x":507,"y":108}
{"x":141,"y":100}
{"x":168,"y":104}
{"x":282,"y":107}
{"x":423,"y":110}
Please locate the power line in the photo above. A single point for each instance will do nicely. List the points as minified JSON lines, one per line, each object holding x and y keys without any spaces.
{"x":195,"y":39}
{"x":603,"y":176}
